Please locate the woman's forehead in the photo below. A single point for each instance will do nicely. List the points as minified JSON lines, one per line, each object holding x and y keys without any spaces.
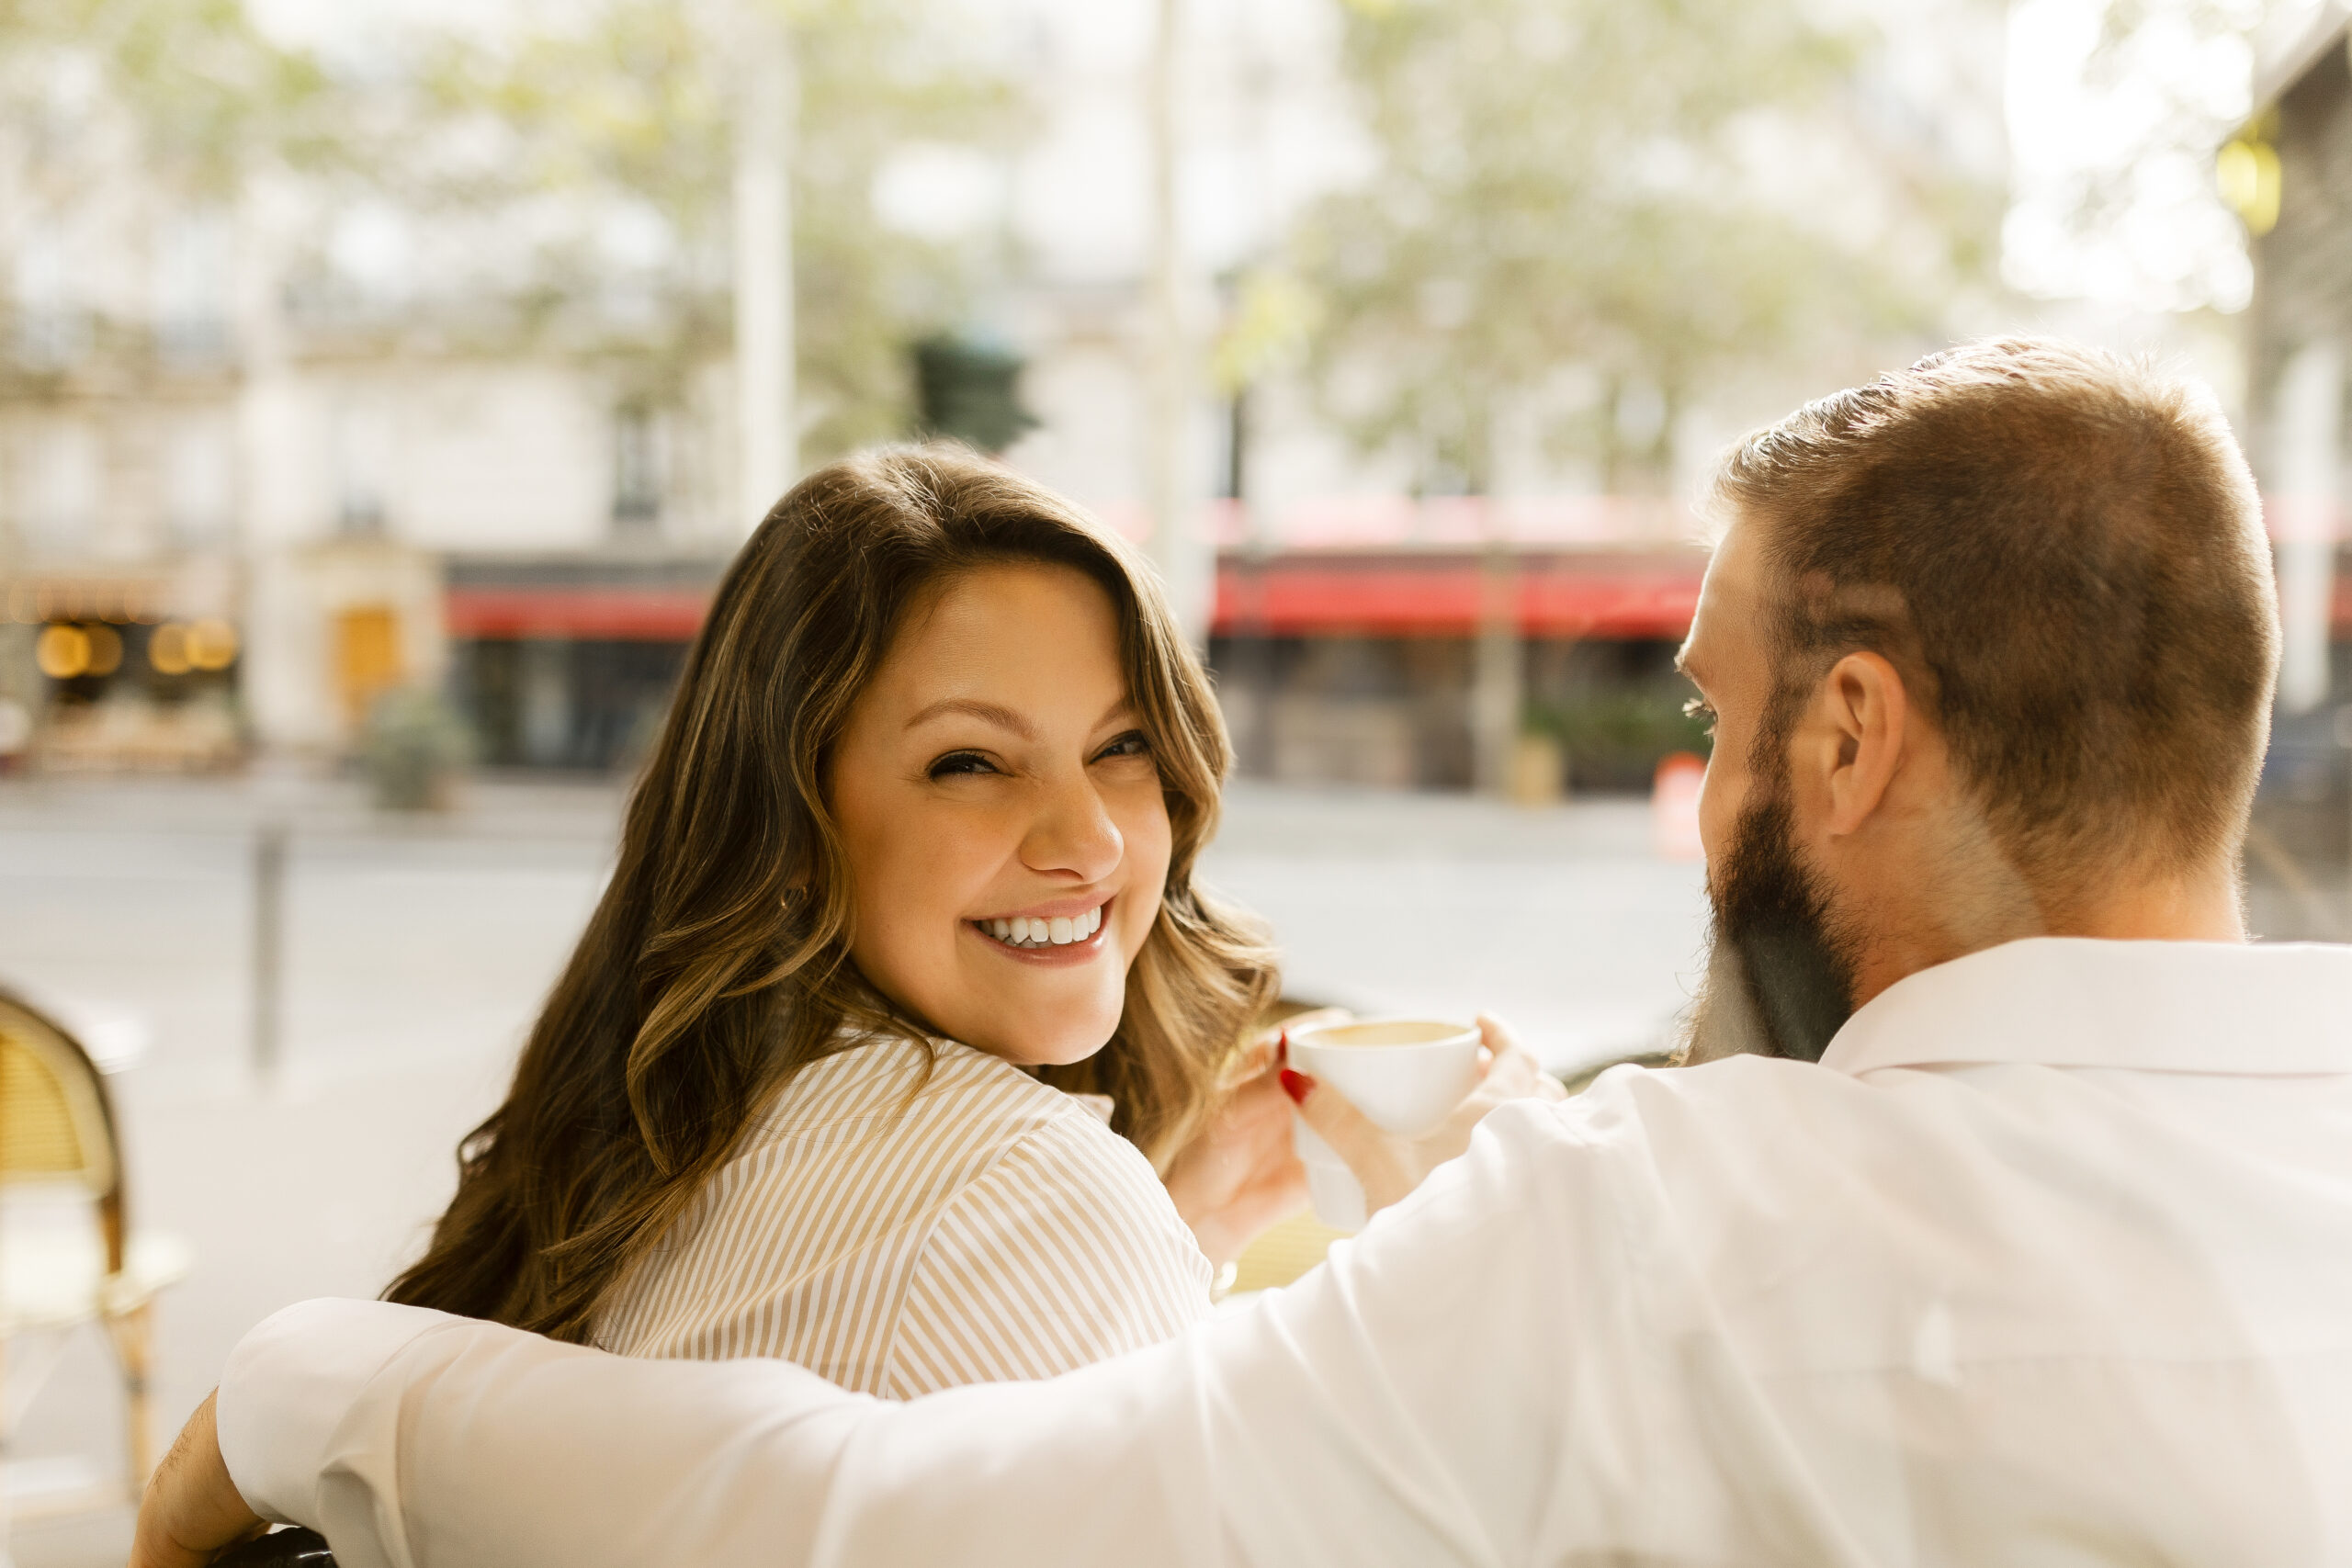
{"x":1018,"y":639}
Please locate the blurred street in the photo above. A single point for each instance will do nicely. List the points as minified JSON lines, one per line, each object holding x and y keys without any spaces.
{"x":417,"y":948}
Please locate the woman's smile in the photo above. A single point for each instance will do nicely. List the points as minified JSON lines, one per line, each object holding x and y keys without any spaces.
{"x":1064,"y":931}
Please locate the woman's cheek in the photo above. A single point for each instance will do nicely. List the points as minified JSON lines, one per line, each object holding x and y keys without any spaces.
{"x":1150,"y":840}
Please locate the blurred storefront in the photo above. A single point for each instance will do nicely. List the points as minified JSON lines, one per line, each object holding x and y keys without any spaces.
{"x":1525,"y":645}
{"x":2289,"y":173}
{"x":124,"y":668}
{"x":568,"y":662}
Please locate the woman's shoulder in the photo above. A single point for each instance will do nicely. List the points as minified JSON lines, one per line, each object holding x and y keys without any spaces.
{"x":877,"y":1166}
{"x":1065,"y":1250}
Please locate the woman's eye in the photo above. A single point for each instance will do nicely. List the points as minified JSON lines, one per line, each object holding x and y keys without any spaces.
{"x":960,"y":762}
{"x":1697,"y":708}
{"x":1134,"y":743}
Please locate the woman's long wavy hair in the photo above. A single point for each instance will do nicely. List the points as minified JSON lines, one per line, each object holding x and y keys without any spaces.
{"x":717,"y":961}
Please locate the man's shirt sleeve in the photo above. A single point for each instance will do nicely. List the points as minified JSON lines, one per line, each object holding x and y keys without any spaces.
{"x":1391,"y":1407}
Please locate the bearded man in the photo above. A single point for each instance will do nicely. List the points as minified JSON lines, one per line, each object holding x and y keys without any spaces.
{"x":2003,"y":1213}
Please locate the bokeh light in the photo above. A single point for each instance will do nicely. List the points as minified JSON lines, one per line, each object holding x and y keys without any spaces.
{"x":167,"y":651}
{"x":62,"y":652}
{"x":212,"y":644}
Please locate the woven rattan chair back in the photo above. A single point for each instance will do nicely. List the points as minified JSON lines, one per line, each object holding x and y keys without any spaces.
{"x":56,"y":1125}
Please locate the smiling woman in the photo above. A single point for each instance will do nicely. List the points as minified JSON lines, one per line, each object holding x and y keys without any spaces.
{"x":901,"y":1002}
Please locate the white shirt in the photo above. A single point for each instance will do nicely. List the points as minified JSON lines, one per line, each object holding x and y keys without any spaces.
{"x":2048,"y":1262}
{"x":906,"y":1220}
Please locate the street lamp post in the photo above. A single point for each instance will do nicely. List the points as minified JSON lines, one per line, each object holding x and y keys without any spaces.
{"x":1183,"y":557}
{"x":765,"y":109}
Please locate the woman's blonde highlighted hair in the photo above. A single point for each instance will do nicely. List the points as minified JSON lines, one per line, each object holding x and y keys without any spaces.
{"x":717,"y":961}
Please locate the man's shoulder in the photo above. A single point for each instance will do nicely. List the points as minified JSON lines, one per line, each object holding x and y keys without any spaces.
{"x":1764,"y":1144}
{"x":1621,"y":1112}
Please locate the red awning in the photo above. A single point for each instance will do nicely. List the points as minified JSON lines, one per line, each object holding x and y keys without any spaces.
{"x":603,"y":613}
{"x":1294,"y":596}
{"x":1442,"y":597}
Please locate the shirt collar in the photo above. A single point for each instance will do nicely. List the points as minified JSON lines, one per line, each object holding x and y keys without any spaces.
{"x":2183,"y":1006}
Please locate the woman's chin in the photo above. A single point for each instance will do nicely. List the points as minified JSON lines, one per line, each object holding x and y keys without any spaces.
{"x":1055,"y":1043}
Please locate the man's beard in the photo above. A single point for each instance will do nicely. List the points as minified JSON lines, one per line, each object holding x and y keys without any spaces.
{"x":1779,"y":963}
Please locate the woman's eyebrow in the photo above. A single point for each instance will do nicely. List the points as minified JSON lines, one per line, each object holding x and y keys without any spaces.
{"x":987,"y":712}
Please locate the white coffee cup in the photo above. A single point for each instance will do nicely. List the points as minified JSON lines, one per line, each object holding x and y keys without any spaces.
{"x":1405,"y":1074}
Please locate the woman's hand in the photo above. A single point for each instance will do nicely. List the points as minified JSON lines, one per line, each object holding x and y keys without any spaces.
{"x":1389,"y":1167}
{"x":1239,"y":1174}
{"x":192,"y":1511}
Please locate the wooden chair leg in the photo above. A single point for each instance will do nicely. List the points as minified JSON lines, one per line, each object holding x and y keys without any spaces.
{"x":7,"y":1444}
{"x":134,"y":1344}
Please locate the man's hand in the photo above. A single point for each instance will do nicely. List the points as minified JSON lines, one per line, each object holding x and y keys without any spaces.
{"x":1240,"y":1174}
{"x":1389,"y":1167}
{"x":192,"y":1512}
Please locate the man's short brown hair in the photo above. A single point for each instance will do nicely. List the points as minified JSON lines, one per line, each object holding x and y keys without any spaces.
{"x":2062,"y":551}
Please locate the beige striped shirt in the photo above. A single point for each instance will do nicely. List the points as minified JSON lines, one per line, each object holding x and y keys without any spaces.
{"x":899,"y":1240}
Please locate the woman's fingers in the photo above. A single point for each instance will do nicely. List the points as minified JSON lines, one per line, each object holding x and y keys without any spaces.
{"x":1238,"y":1174}
{"x":1515,"y":1073}
{"x":1499,"y":1036}
{"x":1384,"y":1164}
{"x":1339,"y":1123}
{"x":1265,"y":1053}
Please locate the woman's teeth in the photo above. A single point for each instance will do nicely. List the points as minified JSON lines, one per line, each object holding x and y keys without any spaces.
{"x":1022,"y":930}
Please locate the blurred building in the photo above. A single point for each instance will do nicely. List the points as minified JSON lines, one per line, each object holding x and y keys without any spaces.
{"x":1372,"y":622}
{"x":261,"y":417}
{"x":121,"y":603}
{"x":366,"y":513}
{"x":249,"y":484}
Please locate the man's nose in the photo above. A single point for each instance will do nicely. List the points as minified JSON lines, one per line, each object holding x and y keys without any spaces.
{"x":1073,"y":834}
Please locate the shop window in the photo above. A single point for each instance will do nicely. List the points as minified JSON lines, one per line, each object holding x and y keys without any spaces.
{"x":363,"y":465}
{"x":636,"y":469}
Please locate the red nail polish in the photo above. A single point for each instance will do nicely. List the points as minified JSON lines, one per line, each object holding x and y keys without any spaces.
{"x":1281,"y":1049}
{"x":1298,"y":1085}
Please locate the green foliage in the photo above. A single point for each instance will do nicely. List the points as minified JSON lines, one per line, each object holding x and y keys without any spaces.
{"x":210,"y":93}
{"x":2156,"y":66}
{"x":414,"y":748}
{"x":1578,"y":183}
{"x":1615,"y":738}
{"x":632,"y":102}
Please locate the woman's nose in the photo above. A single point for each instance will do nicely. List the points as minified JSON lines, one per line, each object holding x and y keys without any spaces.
{"x":1073,"y":834}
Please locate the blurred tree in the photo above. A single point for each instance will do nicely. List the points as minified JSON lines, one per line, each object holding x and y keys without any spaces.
{"x":207,"y":90}
{"x":1615,"y":187}
{"x":2134,"y":215}
{"x":628,"y":109}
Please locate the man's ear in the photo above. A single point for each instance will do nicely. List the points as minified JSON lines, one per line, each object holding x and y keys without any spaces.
{"x":1866,"y":710}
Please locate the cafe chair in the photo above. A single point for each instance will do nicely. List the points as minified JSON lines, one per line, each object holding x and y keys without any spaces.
{"x":68,"y":1258}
